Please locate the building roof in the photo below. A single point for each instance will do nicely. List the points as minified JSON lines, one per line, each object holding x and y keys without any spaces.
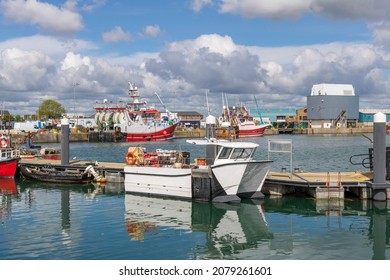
{"x":333,"y":89}
{"x":4,"y":112}
{"x":374,"y":111}
{"x":188,"y":113}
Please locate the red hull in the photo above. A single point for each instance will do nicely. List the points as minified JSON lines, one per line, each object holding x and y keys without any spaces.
{"x":251,"y":132}
{"x":165,"y":134}
{"x":8,"y":168}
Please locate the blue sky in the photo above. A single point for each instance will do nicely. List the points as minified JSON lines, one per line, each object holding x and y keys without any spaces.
{"x":272,"y":49}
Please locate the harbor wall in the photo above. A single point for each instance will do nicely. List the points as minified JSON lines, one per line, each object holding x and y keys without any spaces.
{"x":55,"y":137}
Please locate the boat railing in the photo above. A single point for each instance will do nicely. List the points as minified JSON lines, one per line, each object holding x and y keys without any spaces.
{"x":361,"y":159}
{"x":10,"y":153}
{"x":367,"y":160}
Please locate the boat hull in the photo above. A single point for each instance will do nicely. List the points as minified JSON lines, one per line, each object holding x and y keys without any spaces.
{"x":150,"y":133}
{"x":8,"y":167}
{"x":158,"y":181}
{"x":54,"y":176}
{"x":225,"y":183}
{"x":243,"y":179}
{"x":250,"y":130}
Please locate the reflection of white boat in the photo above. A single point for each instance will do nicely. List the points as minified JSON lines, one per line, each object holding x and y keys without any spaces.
{"x":232,"y":226}
{"x":227,"y":174}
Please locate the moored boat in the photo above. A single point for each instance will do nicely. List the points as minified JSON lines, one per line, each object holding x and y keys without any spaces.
{"x":135,"y":121}
{"x":52,"y":174}
{"x":53,"y":153}
{"x":241,"y":122}
{"x":9,"y":159}
{"x":228,"y":173}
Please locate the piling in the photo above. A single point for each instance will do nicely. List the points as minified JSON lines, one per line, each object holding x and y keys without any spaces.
{"x":379,"y":185}
{"x":211,"y":152}
{"x":64,"y":141}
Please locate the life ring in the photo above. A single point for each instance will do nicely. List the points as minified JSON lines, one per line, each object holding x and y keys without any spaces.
{"x":4,"y":142}
{"x":338,"y":124}
{"x":130,"y":158}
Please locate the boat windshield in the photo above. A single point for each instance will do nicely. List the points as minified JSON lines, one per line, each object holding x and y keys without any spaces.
{"x":241,"y":153}
{"x":225,"y":153}
{"x":238,"y":153}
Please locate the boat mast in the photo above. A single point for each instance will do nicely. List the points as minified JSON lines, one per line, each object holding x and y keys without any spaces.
{"x":133,"y":93}
{"x":207,"y":104}
{"x":258,"y":111}
{"x":166,"y":110}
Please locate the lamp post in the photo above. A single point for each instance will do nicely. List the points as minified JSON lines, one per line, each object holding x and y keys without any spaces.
{"x":74,"y":102}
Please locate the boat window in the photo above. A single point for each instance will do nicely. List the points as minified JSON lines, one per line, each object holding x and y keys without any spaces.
{"x":241,"y":153}
{"x":225,"y":153}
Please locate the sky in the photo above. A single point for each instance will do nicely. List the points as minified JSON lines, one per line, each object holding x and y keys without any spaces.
{"x":191,"y":52}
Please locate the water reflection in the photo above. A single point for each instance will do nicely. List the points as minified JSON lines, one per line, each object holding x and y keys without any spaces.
{"x":8,"y":189}
{"x":228,"y":227}
{"x":88,"y":222}
{"x":273,"y":228}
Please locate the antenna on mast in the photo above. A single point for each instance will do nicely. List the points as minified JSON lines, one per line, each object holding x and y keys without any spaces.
{"x":207,"y":103}
{"x":161,"y":101}
{"x":258,"y":111}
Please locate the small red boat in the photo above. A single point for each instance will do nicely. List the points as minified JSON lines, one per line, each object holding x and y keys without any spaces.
{"x":9,"y":159}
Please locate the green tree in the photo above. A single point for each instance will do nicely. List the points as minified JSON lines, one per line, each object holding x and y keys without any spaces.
{"x":50,"y":109}
{"x":18,"y":118}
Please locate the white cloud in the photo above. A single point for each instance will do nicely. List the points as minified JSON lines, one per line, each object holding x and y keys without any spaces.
{"x":49,"y":45}
{"x":152,"y":30}
{"x":47,"y":16}
{"x":347,"y":9}
{"x":116,"y":35}
{"x":184,"y":70}
{"x":198,"y":5}
{"x":22,"y":70}
{"x":75,"y":61}
{"x":266,"y":8}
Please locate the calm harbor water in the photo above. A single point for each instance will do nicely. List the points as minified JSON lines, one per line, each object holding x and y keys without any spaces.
{"x":47,"y":221}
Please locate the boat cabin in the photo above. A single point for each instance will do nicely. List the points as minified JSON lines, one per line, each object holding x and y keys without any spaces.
{"x":226,"y":151}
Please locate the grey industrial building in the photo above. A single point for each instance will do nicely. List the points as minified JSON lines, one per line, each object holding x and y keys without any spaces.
{"x":332,"y":105}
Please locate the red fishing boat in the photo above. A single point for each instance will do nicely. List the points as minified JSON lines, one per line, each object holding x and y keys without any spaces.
{"x":9,"y":159}
{"x":135,"y":121}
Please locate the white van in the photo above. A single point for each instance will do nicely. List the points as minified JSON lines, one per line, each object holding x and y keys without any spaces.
{"x":26,"y":126}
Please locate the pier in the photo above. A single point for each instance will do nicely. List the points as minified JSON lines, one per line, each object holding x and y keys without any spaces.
{"x":319,"y":185}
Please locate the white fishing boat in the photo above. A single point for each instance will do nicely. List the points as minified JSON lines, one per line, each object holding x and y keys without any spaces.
{"x":228,"y":173}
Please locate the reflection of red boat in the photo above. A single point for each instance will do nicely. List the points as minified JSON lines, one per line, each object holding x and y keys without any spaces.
{"x":135,"y":121}
{"x":9,"y":159}
{"x":8,"y":186}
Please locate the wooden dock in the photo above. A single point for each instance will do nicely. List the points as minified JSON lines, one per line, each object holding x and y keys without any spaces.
{"x":319,"y":185}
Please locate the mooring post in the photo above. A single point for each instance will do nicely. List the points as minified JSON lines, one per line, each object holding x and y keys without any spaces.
{"x":211,"y":122}
{"x":64,"y":141}
{"x":379,"y":185}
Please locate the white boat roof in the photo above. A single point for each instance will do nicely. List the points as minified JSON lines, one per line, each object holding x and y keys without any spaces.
{"x":222,"y":143}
